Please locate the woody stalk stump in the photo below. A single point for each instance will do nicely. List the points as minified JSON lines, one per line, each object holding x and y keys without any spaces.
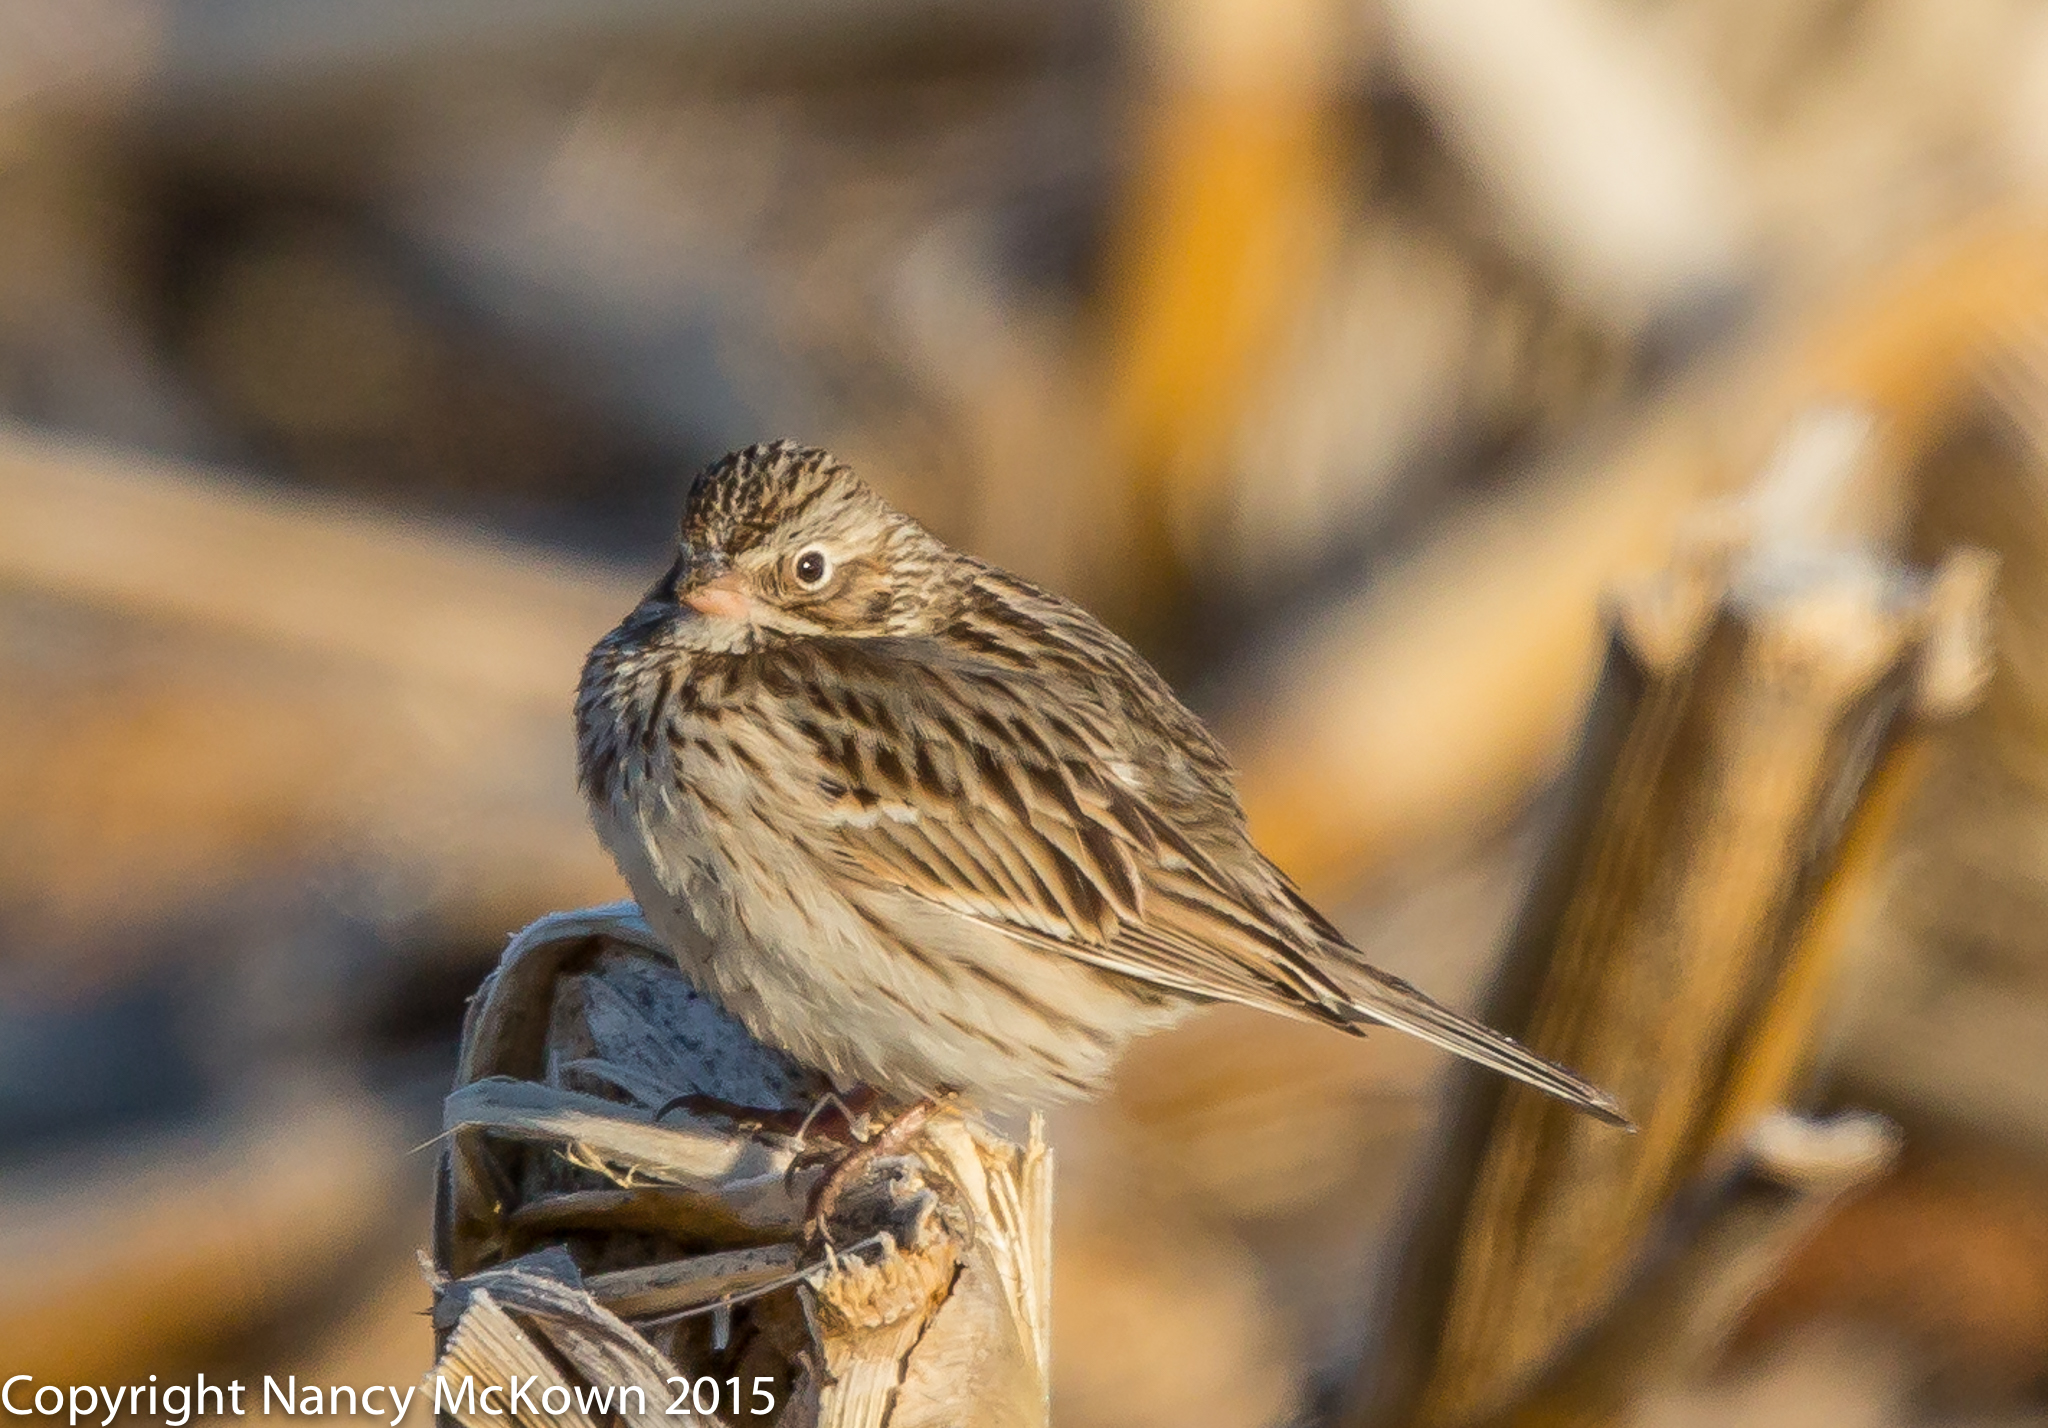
{"x":622,"y":1202}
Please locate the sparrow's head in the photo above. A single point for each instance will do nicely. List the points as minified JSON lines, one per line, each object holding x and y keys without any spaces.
{"x":781,"y":539}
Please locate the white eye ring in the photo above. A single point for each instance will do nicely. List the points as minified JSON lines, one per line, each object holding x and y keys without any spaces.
{"x":812,"y":568}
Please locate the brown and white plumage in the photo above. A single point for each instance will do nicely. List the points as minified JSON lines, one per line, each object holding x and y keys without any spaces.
{"x":930,"y":828}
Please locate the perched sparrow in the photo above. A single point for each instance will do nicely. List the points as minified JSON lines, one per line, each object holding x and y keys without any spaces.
{"x":931,"y":829}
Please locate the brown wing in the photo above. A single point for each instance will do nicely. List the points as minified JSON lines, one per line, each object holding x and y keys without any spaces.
{"x":1038,"y":812}
{"x":1080,"y":808}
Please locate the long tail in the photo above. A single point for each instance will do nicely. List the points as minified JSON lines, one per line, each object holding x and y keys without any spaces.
{"x":1378,"y":997}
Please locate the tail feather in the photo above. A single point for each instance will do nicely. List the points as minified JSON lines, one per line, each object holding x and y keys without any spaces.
{"x":1392,"y":1002}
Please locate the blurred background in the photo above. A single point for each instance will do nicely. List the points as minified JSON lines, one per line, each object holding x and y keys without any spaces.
{"x":354,"y":356}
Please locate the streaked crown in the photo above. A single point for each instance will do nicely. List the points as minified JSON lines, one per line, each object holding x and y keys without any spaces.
{"x":741,"y":499}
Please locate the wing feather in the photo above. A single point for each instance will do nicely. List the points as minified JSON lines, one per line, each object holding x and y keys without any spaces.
{"x":1091,"y":818}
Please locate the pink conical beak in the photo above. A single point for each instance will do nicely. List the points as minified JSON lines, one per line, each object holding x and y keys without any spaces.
{"x":725,"y":598}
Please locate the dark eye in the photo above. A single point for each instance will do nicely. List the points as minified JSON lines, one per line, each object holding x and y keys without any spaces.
{"x":812,"y":567}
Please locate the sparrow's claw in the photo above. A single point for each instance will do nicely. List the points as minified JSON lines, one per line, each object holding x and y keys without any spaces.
{"x":894,"y":1139}
{"x":853,"y":1107}
{"x":811,"y":1160}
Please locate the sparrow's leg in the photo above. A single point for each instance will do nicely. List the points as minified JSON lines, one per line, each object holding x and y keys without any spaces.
{"x":894,"y":1138}
{"x":853,"y":1107}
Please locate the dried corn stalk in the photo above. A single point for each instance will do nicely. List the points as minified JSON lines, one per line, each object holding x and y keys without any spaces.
{"x":1715,"y":1248}
{"x":1747,"y":742}
{"x":621,"y":1211}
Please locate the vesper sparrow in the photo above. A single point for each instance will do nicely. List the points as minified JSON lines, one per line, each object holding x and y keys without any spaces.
{"x":932,"y":830}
